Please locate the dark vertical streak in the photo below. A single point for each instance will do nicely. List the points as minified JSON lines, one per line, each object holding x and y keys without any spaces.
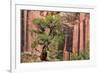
{"x":69,"y":40}
{"x":27,"y":29}
{"x":22,"y":30}
{"x":72,"y":40}
{"x":78,"y":37}
{"x":84,"y":26}
{"x":69,"y":55}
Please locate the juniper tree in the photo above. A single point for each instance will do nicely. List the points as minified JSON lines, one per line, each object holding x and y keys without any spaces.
{"x":49,"y":39}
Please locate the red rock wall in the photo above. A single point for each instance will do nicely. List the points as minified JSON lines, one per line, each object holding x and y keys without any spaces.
{"x":80,"y":33}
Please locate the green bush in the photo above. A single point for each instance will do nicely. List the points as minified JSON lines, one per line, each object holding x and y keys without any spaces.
{"x":83,"y":55}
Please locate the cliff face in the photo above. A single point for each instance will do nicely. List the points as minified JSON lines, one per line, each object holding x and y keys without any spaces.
{"x":76,"y":24}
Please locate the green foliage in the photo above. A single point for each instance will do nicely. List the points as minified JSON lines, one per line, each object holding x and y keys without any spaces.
{"x":54,"y":37}
{"x":37,"y":21}
{"x":48,"y":21}
{"x":83,"y":55}
{"x":34,"y":43}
